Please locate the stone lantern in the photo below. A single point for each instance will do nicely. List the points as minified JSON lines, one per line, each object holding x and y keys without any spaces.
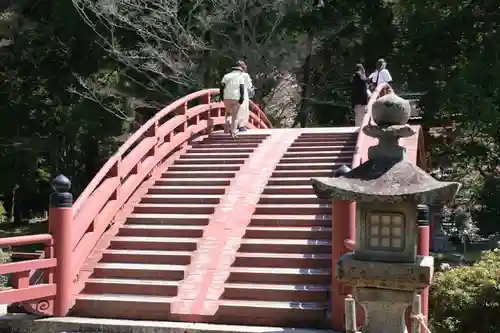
{"x":384,"y":267}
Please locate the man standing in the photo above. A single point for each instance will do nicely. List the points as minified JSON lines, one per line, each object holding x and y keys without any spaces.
{"x":244,"y":112}
{"x":232,"y":92}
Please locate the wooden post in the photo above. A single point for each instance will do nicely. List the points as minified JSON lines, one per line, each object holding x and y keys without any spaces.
{"x":350,"y":315}
{"x":60,"y":225}
{"x":416,"y":311}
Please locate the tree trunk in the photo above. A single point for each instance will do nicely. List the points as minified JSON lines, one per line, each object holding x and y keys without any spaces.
{"x":208,"y":76}
{"x":17,"y":209}
{"x":303,"y":113}
{"x":8,"y":204}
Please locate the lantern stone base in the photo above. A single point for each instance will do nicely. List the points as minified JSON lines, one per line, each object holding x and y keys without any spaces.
{"x":384,"y":309}
{"x":386,"y":275}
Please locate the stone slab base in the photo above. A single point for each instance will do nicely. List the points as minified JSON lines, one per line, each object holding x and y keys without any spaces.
{"x":30,"y":324}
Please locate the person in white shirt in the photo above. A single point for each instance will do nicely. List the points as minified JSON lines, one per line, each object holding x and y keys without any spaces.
{"x":232,"y":92}
{"x":381,"y":75}
{"x":244,"y":111}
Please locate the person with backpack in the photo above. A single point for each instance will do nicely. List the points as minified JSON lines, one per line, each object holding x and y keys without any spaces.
{"x":232,"y":92}
{"x":381,"y":75}
{"x":244,"y":112}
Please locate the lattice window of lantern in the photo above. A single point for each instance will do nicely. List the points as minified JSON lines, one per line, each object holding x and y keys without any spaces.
{"x":385,"y":231}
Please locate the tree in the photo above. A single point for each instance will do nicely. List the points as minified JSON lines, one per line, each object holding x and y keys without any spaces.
{"x":44,"y":127}
{"x":450,"y":50}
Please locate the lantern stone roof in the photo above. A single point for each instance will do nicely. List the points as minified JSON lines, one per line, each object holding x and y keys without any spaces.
{"x":388,"y":181}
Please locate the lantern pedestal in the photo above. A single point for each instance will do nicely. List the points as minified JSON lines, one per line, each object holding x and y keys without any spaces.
{"x":391,"y":194}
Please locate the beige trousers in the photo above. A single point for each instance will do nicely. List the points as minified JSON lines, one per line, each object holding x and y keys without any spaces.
{"x":244,"y":113}
{"x":359,"y":114}
{"x":232,"y":109}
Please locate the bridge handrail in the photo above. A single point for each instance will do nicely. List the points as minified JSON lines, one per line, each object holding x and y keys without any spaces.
{"x":96,"y":208}
{"x":361,"y":143}
{"x":162,"y":138}
{"x":37,"y":297}
{"x":147,"y":126}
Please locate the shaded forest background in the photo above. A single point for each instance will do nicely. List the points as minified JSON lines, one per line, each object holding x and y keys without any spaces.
{"x":78,"y":77}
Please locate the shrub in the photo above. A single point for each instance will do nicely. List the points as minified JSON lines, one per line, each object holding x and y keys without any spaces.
{"x":467,"y":299}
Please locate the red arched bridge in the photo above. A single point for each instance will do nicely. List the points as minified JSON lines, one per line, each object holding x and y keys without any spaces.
{"x":184,"y":223}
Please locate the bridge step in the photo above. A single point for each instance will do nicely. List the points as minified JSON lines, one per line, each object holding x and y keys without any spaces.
{"x":187,"y":190}
{"x":288,"y":181}
{"x":291,"y":220}
{"x":247,"y":245}
{"x":305,"y":173}
{"x":279,"y":275}
{"x":286,"y":245}
{"x":199,"y":174}
{"x":209,"y":161}
{"x":241,"y":259}
{"x":240,"y":274}
{"x":175,"y":208}
{"x":307,"y":166}
{"x":278,"y":266}
{"x":161,"y":230}
{"x":154,"y":243}
{"x":169,"y":219}
{"x":211,"y":155}
{"x":193,"y":182}
{"x":348,"y":144}
{"x":202,"y":167}
{"x":182,"y":198}
{"x":290,"y":189}
{"x":275,"y":292}
{"x":291,"y":199}
{"x":288,"y":209}
{"x":140,"y":271}
{"x":333,"y":159}
{"x":284,"y":260}
{"x":147,"y":257}
{"x":126,"y":306}
{"x":314,"y":154}
{"x":289,"y":232}
{"x":224,"y":150}
{"x":132,"y":286}
{"x":320,"y":149}
{"x":226,"y":144}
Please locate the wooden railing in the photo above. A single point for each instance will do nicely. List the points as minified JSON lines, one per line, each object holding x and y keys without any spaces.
{"x":39,"y":297}
{"x":168,"y":130}
{"x":95,"y":209}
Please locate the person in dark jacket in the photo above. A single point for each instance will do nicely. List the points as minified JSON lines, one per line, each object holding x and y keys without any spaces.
{"x":359,"y":94}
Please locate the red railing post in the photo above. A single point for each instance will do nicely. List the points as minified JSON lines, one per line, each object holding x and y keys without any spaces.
{"x":60,"y":226}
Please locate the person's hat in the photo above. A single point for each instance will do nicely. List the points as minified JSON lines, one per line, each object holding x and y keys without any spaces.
{"x":240,"y":66}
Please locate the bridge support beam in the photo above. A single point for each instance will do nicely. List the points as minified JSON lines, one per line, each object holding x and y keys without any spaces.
{"x":342,"y":211}
{"x":60,"y":224}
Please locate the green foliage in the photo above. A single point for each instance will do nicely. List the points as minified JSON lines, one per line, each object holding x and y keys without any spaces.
{"x":72,"y":82}
{"x":450,"y":51}
{"x":44,"y":127}
{"x":467,"y":299}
